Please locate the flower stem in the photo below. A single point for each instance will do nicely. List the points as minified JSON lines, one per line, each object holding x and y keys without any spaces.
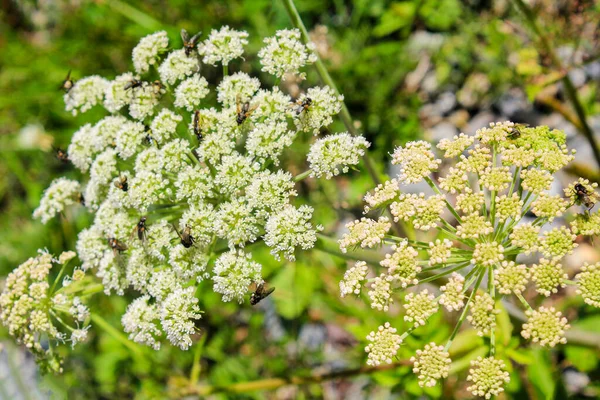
{"x":119,"y":336}
{"x":225,"y":70}
{"x":492,"y":292}
{"x":523,"y":301}
{"x":302,"y":176}
{"x":463,"y":315}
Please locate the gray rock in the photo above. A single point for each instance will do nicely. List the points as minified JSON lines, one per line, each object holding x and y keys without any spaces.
{"x":593,"y":70}
{"x":577,"y":77}
{"x":480,"y":120}
{"x":515,"y":106}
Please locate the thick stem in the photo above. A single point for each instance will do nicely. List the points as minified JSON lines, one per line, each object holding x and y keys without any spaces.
{"x":274,"y":383}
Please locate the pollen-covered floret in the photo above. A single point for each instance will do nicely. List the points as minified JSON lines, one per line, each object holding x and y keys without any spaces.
{"x":496,"y":133}
{"x":483,"y":314}
{"x":439,"y":252}
{"x":496,"y":178}
{"x":141,"y":321}
{"x":428,"y":212}
{"x":548,"y":276}
{"x":223,"y":45}
{"x":550,"y":207}
{"x":416,"y":160}
{"x":469,"y":202}
{"x":285,"y":53}
{"x":526,"y":236}
{"x":237,"y":89}
{"x":402,"y":264}
{"x":558,"y":242}
{"x":456,"y":145}
{"x":85,"y":94}
{"x":382,"y":195}
{"x":452,"y":293}
{"x":456,"y":180}
{"x":163,"y":126}
{"x":536,"y":180}
{"x":353,"y":278}
{"x":511,"y":277}
{"x":508,"y":207}
{"x":545,"y":326}
{"x":419,"y":307}
{"x":190,"y":92}
{"x":234,"y":273}
{"x":381,"y":293}
{"x":177,"y":66}
{"x":488,"y":376}
{"x":366,"y":233}
{"x":146,"y":53}
{"x":289,"y":229}
{"x":61,"y":193}
{"x":268,"y":140}
{"x":116,"y":96}
{"x":588,"y":281}
{"x":384,"y":345}
{"x":431,"y":364}
{"x":335,"y":154}
{"x":178,"y":311}
{"x":586,"y":224}
{"x":324,"y":104}
{"x":474,"y":226}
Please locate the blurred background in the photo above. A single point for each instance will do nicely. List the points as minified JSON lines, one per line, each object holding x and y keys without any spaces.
{"x":408,"y":69}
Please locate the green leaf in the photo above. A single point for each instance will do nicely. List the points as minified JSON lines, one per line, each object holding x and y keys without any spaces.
{"x":540,"y":374}
{"x":582,"y":358}
{"x":398,"y":16}
{"x":295,"y":285}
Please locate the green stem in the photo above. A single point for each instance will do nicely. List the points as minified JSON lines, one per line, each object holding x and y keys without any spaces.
{"x":60,"y":273}
{"x":463,"y":315}
{"x":302,"y":176}
{"x":225,"y":70}
{"x":331,"y":246}
{"x":119,"y":336}
{"x":523,"y":301}
{"x":195,"y":373}
{"x":492,"y":292}
{"x":437,"y":190}
{"x":442,"y":274}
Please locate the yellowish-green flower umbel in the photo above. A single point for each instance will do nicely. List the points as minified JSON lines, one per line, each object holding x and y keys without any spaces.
{"x":480,"y":219}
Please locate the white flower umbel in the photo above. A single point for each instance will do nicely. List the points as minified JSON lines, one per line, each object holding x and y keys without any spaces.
{"x":324,"y":103}
{"x":178,"y":189}
{"x":335,"y":154}
{"x":223,"y":45}
{"x":85,"y":94}
{"x":289,"y":229}
{"x":234,"y":273}
{"x":190,"y":92}
{"x":285,"y":53}
{"x":477,"y":225}
{"x":60,"y":194}
{"x":146,"y":53}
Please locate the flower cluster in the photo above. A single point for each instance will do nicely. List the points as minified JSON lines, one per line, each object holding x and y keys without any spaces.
{"x":34,"y":309}
{"x":179,"y":187}
{"x":477,"y":223}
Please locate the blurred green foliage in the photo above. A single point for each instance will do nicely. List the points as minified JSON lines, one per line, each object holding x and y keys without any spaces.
{"x":372,"y":51}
